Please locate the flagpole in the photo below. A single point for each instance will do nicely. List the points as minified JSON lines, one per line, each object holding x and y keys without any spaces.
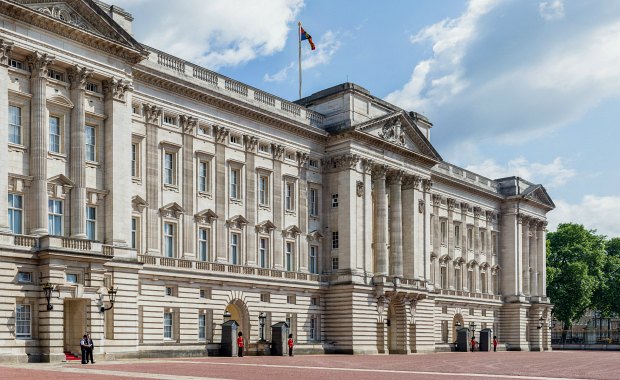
{"x":299,"y":53}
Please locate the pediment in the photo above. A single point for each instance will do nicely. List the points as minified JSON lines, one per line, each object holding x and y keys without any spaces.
{"x":172,"y":210}
{"x":315,"y":235}
{"x":60,"y":180}
{"x":237,"y":221}
{"x":400,"y":130}
{"x":538,"y":194}
{"x":138,"y":203}
{"x":205,"y":216}
{"x":61,"y":101}
{"x":291,"y":231}
{"x":265,"y":227}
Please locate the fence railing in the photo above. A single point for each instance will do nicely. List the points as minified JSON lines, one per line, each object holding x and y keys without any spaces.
{"x":591,"y":336}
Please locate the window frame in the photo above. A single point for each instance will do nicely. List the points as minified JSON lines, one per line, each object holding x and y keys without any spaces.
{"x":290,"y":196}
{"x":135,"y":232}
{"x":313,"y":200}
{"x":234,"y":250}
{"x":91,"y":221}
{"x":29,"y":326}
{"x":335,"y":200}
{"x":90,"y":148}
{"x":204,"y":241}
{"x":168,"y":326}
{"x":313,"y":259}
{"x":289,"y":255}
{"x":264,"y":192}
{"x":13,"y":126}
{"x":55,"y":216}
{"x":234,"y":188}
{"x":263,"y":252}
{"x":13,"y":210}
{"x":203,"y":176}
{"x":335,"y":240}
{"x":169,"y":239}
{"x":55,"y":136}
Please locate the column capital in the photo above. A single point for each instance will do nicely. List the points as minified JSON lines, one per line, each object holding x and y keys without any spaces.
{"x":451,"y":203}
{"x":428,"y":184}
{"x":152,"y":113}
{"x":5,"y":48}
{"x":379,"y":171}
{"x":411,"y":182}
{"x":367,"y":165}
{"x":38,"y":64}
{"x":188,"y":123}
{"x":395,"y":177}
{"x":117,"y":88}
{"x":77,"y":76}
{"x":278,"y":151}
{"x":302,"y":159}
{"x":436,"y":198}
{"x":477,"y":212}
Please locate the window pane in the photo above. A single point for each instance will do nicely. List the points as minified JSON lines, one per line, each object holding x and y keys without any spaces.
{"x":15,"y":117}
{"x":23,"y":321}
{"x":54,"y":125}
{"x":90,"y":143}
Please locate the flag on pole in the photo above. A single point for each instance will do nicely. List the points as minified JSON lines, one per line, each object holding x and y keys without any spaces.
{"x":306,"y":36}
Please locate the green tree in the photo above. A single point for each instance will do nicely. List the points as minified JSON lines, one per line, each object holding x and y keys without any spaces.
{"x":575,"y":267}
{"x":607,"y":295}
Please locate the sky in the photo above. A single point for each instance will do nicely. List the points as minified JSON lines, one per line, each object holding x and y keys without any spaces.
{"x":513,"y":87}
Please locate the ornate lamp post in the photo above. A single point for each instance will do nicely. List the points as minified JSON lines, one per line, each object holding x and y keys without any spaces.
{"x":111,"y":297}
{"x":227,"y":315}
{"x":47,"y":290}
{"x":457,"y":324}
{"x":472,"y":326}
{"x":261,"y":321}
{"x":541,"y":322}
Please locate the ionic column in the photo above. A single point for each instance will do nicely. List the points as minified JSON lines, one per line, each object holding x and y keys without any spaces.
{"x":380,"y":211}
{"x":396,"y":224}
{"x":77,"y":169}
{"x":153,"y":179}
{"x":5,"y":48}
{"x":534,"y":258}
{"x":525,"y":234}
{"x":542,"y":259}
{"x":38,"y":64}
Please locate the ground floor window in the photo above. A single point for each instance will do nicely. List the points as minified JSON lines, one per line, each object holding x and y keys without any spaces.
{"x":23,"y":321}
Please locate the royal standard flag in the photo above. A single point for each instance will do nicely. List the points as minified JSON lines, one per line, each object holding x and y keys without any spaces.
{"x":306,"y":36}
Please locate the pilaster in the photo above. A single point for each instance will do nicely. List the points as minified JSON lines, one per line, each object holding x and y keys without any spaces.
{"x":188,"y":178}
{"x":220,"y":194}
{"x":542,"y":259}
{"x":5,"y":48}
{"x":396,"y":224}
{"x":427,"y":208}
{"x":525,"y":256}
{"x":278,"y":216}
{"x":251,"y":143}
{"x":152,"y":115}
{"x":410,"y":212}
{"x":380,"y":242}
{"x":533,"y":258}
{"x":302,"y":161}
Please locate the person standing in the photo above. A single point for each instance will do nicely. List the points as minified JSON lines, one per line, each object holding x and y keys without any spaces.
{"x":472,"y":342}
{"x":84,"y":348}
{"x":91,"y":348}
{"x":494,"y":343}
{"x":291,"y":343}
{"x":240,"y":344}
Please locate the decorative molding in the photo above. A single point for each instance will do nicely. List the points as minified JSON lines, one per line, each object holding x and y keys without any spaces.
{"x":265,"y":227}
{"x":314,"y":235}
{"x":237,"y":222}
{"x":138,"y":204}
{"x":220,"y":133}
{"x":451,"y":203}
{"x":436,"y":199}
{"x":359,"y":188}
{"x":427,"y":184}
{"x":421,"y":205}
{"x":151,"y":113}
{"x":477,"y":212}
{"x":392,"y":131}
{"x":278,"y":151}
{"x":117,"y":88}
{"x":188,"y":123}
{"x":250,"y":143}
{"x":379,"y":171}
{"x":38,"y":64}
{"x":489,"y":215}
{"x":395,"y":177}
{"x":59,"y":186}
{"x":291,"y":231}
{"x":77,"y":76}
{"x":302,"y":159}
{"x":5,"y":49}
{"x":206,"y":216}
{"x":171,"y":210}
{"x":464,"y":207}
{"x":345,"y":161}
{"x":367,"y":165}
{"x":411,"y":182}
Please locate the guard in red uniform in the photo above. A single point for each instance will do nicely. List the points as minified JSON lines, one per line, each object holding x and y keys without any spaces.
{"x":290,"y":344}
{"x":240,"y":344}
{"x":494,"y":343}
{"x":472,"y":342}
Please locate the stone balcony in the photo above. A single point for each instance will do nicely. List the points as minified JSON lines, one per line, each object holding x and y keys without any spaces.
{"x":464,"y":293}
{"x":65,"y":244}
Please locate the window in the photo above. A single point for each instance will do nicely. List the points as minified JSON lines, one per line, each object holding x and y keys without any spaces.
{"x":334,"y":239}
{"x":135,"y":109}
{"x":289,"y":196}
{"x":444,"y":232}
{"x":234,"y":248}
{"x":71,"y":278}
{"x":203,"y":131}
{"x":314,"y":328}
{"x":24,"y":276}
{"x":205,"y":293}
{"x":470,"y":281}
{"x":234,"y":180}
{"x":15,"y":125}
{"x":263,"y":190}
{"x":169,"y":291}
{"x":54,"y":217}
{"x":16,"y":64}
{"x":169,"y":169}
{"x":234,"y":139}
{"x":483,"y":282}
{"x":55,"y":75}
{"x":54,"y":134}
{"x":458,"y":278}
{"x":203,"y":244}
{"x":265,"y":297}
{"x":169,"y":240}
{"x":313,"y":259}
{"x":314,"y":301}
{"x":313,"y":163}
{"x":292,"y":299}
{"x":313,"y":202}
{"x":334,"y":263}
{"x":202,"y":327}
{"x":91,"y":223}
{"x":135,"y":233}
{"x":170,"y":120}
{"x":263,"y":148}
{"x":290,"y":156}
{"x":482,"y":241}
{"x":334,"y":200}
{"x":90,"y":143}
{"x":494,"y":242}
{"x":168,"y":326}
{"x":203,"y":176}
{"x":23,"y":321}
{"x":92,"y":87}
{"x":290,"y":250}
{"x":444,"y":277}
{"x":16,"y":208}
{"x":457,"y":235}
{"x":470,"y":238}
{"x":263,"y":252}
{"x":135,"y":156}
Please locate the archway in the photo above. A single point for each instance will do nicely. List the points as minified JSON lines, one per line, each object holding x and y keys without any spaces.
{"x":397,"y":327}
{"x":457,"y":322}
{"x":239,"y":313}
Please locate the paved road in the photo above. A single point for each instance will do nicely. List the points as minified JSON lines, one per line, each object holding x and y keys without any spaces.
{"x":442,"y":366}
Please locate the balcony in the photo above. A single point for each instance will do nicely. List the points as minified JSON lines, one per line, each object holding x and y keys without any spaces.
{"x":61,"y":243}
{"x":463,"y":293}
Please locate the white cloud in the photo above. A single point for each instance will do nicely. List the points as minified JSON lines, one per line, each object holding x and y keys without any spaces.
{"x":594,"y":212}
{"x":553,"y":174}
{"x":214,"y":33}
{"x":326,"y":46}
{"x":551,"y":10}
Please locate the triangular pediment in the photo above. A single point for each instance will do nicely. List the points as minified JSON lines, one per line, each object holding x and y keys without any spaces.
{"x":205,"y":216}
{"x":172,"y":210}
{"x":537,"y":193}
{"x":291,"y":231}
{"x":61,"y":180}
{"x":237,"y":221}
{"x":400,"y":130}
{"x":138,"y":203}
{"x":314,"y":235}
{"x":265,"y":227}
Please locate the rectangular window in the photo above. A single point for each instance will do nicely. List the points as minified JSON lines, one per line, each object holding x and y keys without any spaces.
{"x":15,"y":125}
{"x":91,"y":223}
{"x":169,"y":239}
{"x":203,"y":131}
{"x":335,"y":263}
{"x":54,"y":134}
{"x":263,"y":252}
{"x":313,"y":163}
{"x":135,"y":233}
{"x":263,"y":148}
{"x":263,"y":190}
{"x":16,"y":64}
{"x":92,"y":87}
{"x":134,"y":160}
{"x":290,"y":251}
{"x":169,"y":169}
{"x":16,"y":209}
{"x":71,"y":278}
{"x":54,"y":217}
{"x":23,"y":321}
{"x":313,"y":259}
{"x":55,"y":75}
{"x":90,"y":143}
{"x":457,"y":235}
{"x":234,"y":139}
{"x":168,"y":326}
{"x":482,"y":241}
{"x":170,"y":120}
{"x":334,"y":239}
{"x":234,"y":248}
{"x":203,"y":244}
{"x":289,"y":196}
{"x":24,"y":277}
{"x":334,"y":200}
{"x":444,"y":232}
{"x":494,"y":242}
{"x":292,"y":299}
{"x":470,"y":238}
{"x":203,"y":176}
{"x":313,"y":328}
{"x":202,"y":327}
{"x":234,"y":180}
{"x":313,"y":202}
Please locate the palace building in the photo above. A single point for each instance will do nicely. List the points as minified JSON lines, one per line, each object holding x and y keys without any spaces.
{"x":198,"y":198}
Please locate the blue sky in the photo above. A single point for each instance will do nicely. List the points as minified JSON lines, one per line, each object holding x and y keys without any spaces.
{"x":513,"y":87}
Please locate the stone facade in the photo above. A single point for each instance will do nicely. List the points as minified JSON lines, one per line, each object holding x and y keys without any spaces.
{"x":194,"y":194}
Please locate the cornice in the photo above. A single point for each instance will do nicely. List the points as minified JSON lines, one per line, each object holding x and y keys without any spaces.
{"x":439,"y":177}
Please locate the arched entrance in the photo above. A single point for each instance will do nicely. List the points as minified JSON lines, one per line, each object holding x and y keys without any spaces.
{"x":239,"y":313}
{"x":457,"y":322}
{"x":397,"y":327}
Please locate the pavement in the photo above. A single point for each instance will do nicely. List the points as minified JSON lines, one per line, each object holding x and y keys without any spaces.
{"x":438,"y":366}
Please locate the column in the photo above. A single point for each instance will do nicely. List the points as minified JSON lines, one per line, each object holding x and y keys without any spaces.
{"x":534,"y":258}
{"x":380,"y":242}
{"x":396,"y":224}
{"x":436,"y":236}
{"x":542,"y":259}
{"x":451,"y":203}
{"x":367,"y":216}
{"x":37,"y":203}
{"x":188,"y":179}
{"x":5,"y":48}
{"x":418,"y":229}
{"x":221,"y":195}
{"x":77,"y":76}
{"x":302,"y":160}
{"x":525,"y":256}
{"x":410,"y":210}
{"x":426,"y":209}
{"x":117,"y":159}
{"x":153,"y":178}
{"x":278,"y":155}
{"x":251,"y":144}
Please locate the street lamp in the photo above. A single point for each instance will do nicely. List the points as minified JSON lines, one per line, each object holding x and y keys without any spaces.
{"x":227,"y":315}
{"x":472,"y":326}
{"x":458,"y":324}
{"x":554,"y":321}
{"x":111,"y":297}
{"x":541,"y":322}
{"x":47,"y":290}
{"x":261,"y":321}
